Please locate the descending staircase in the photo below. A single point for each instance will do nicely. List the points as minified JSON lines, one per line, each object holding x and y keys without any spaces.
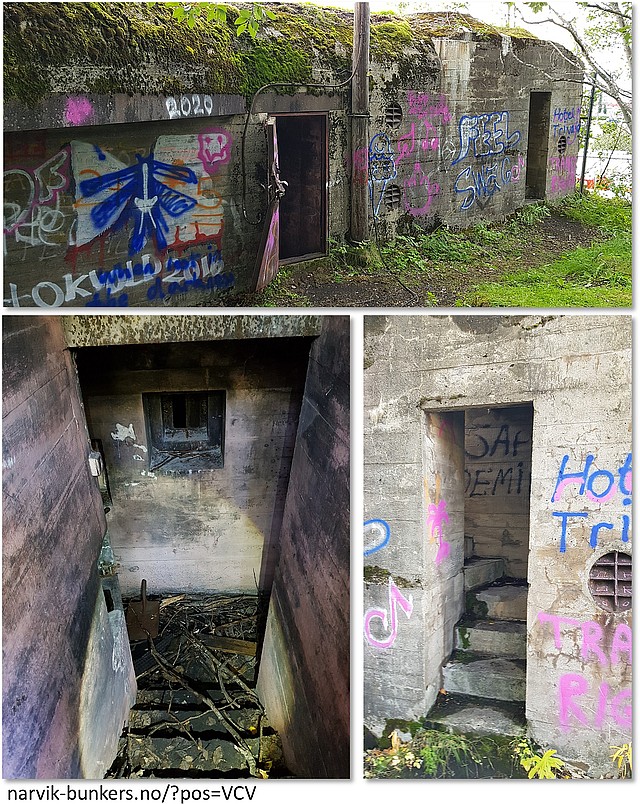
{"x":484,"y":679}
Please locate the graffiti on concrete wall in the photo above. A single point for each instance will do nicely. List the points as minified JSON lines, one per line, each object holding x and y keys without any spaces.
{"x":31,"y":201}
{"x":597,"y":486}
{"x":78,"y":111}
{"x":382,"y":169}
{"x":606,"y":646}
{"x":166,"y":201}
{"x":563,"y":173}
{"x":565,"y":124}
{"x":376,"y":535}
{"x":388,"y":618}
{"x":437,"y":517}
{"x":510,"y":477}
{"x":486,"y":139}
{"x":429,"y":113}
{"x":189,"y":106}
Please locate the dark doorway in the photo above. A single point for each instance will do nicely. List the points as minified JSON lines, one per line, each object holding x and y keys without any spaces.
{"x":302,"y":149}
{"x":538,"y":144}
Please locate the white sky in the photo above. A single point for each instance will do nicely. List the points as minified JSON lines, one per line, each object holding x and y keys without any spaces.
{"x":492,"y":11}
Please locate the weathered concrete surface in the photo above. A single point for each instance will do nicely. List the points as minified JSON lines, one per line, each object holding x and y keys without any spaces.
{"x":479,"y":720}
{"x":493,"y":637}
{"x":504,"y":602}
{"x":303,"y":678}
{"x":481,"y":571}
{"x":54,"y":615}
{"x":217,"y":529}
{"x":495,"y":678}
{"x":498,"y":473}
{"x":575,"y":370}
{"x":108,"y":330}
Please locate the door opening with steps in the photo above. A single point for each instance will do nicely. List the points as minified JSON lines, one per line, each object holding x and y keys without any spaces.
{"x":484,"y":678}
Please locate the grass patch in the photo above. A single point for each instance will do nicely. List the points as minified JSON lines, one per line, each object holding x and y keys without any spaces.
{"x":598,"y":276}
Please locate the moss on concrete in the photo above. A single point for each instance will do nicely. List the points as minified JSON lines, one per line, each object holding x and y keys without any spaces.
{"x":126,"y":47}
{"x":379,"y":575}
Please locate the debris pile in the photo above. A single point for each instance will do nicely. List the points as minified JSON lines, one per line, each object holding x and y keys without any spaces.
{"x":197,"y":714}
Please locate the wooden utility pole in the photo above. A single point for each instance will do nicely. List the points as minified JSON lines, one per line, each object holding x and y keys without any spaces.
{"x":360,"y":122}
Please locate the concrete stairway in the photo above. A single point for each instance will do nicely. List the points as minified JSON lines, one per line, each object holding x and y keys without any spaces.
{"x":484,"y":679}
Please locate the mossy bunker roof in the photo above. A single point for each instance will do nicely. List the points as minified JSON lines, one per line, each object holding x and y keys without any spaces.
{"x":130,"y":48}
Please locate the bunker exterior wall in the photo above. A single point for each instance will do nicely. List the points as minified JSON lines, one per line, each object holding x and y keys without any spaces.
{"x":455,"y":148}
{"x":75,"y":236}
{"x":216,"y":528}
{"x":304,"y":668}
{"x":57,"y":634}
{"x":576,"y":372}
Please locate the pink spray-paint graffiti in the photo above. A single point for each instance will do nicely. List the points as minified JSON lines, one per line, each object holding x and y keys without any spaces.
{"x":437,"y":516}
{"x":563,"y":173}
{"x":575,"y":692}
{"x":215,"y":149}
{"x":389,"y":619}
{"x":359,"y":166}
{"x":429,"y":112}
{"x":77,"y":111}
{"x":598,"y":486}
{"x":421,"y":185}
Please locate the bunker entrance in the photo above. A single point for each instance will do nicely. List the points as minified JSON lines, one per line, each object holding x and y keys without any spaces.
{"x":192,"y":446}
{"x":488,"y":513}
{"x":538,"y":144}
{"x":303,"y":155}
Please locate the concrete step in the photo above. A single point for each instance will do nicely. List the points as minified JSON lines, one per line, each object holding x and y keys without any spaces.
{"x":505,"y":638}
{"x":482,"y":677}
{"x":458,"y":714}
{"x":503,"y":602}
{"x":482,"y":571}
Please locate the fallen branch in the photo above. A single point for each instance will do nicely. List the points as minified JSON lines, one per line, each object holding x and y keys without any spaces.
{"x":171,"y":674}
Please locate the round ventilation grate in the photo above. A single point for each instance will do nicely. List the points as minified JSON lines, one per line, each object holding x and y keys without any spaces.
{"x":562,"y":144}
{"x":610,"y":582}
{"x":393,"y":116}
{"x":392,"y":197}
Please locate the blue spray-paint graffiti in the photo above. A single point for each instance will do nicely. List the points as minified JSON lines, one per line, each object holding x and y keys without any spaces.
{"x":598,"y":486}
{"x":138,"y":194}
{"x":376,"y":534}
{"x":482,"y":182}
{"x":107,"y":288}
{"x":382,"y":169}
{"x":486,"y":138}
{"x":566,"y":123}
{"x":485,"y":135}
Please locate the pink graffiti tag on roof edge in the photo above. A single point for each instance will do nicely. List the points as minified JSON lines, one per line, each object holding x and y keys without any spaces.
{"x":77,"y":110}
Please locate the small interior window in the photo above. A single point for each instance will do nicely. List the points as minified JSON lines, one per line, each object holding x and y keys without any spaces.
{"x":185,"y":431}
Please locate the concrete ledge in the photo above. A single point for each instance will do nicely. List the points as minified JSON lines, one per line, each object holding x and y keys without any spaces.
{"x":482,"y":571}
{"x":494,"y":679}
{"x":501,"y":638}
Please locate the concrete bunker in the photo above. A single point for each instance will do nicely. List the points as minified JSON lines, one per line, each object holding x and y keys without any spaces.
{"x":454,"y":114}
{"x":500,"y":445}
{"x":201,"y":445}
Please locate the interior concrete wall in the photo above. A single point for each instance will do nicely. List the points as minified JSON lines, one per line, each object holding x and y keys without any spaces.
{"x":215,"y":530}
{"x":58,"y":638}
{"x":498,"y":484}
{"x":576,"y":371}
{"x":303,"y":677}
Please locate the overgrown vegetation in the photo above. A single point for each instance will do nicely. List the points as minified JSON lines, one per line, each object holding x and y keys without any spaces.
{"x":594,"y":276}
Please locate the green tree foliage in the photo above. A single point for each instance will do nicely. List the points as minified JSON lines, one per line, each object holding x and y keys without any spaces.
{"x":601,"y":33}
{"x":247,"y":20}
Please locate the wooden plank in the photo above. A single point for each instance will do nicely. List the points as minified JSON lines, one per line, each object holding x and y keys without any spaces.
{"x":229,"y":645}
